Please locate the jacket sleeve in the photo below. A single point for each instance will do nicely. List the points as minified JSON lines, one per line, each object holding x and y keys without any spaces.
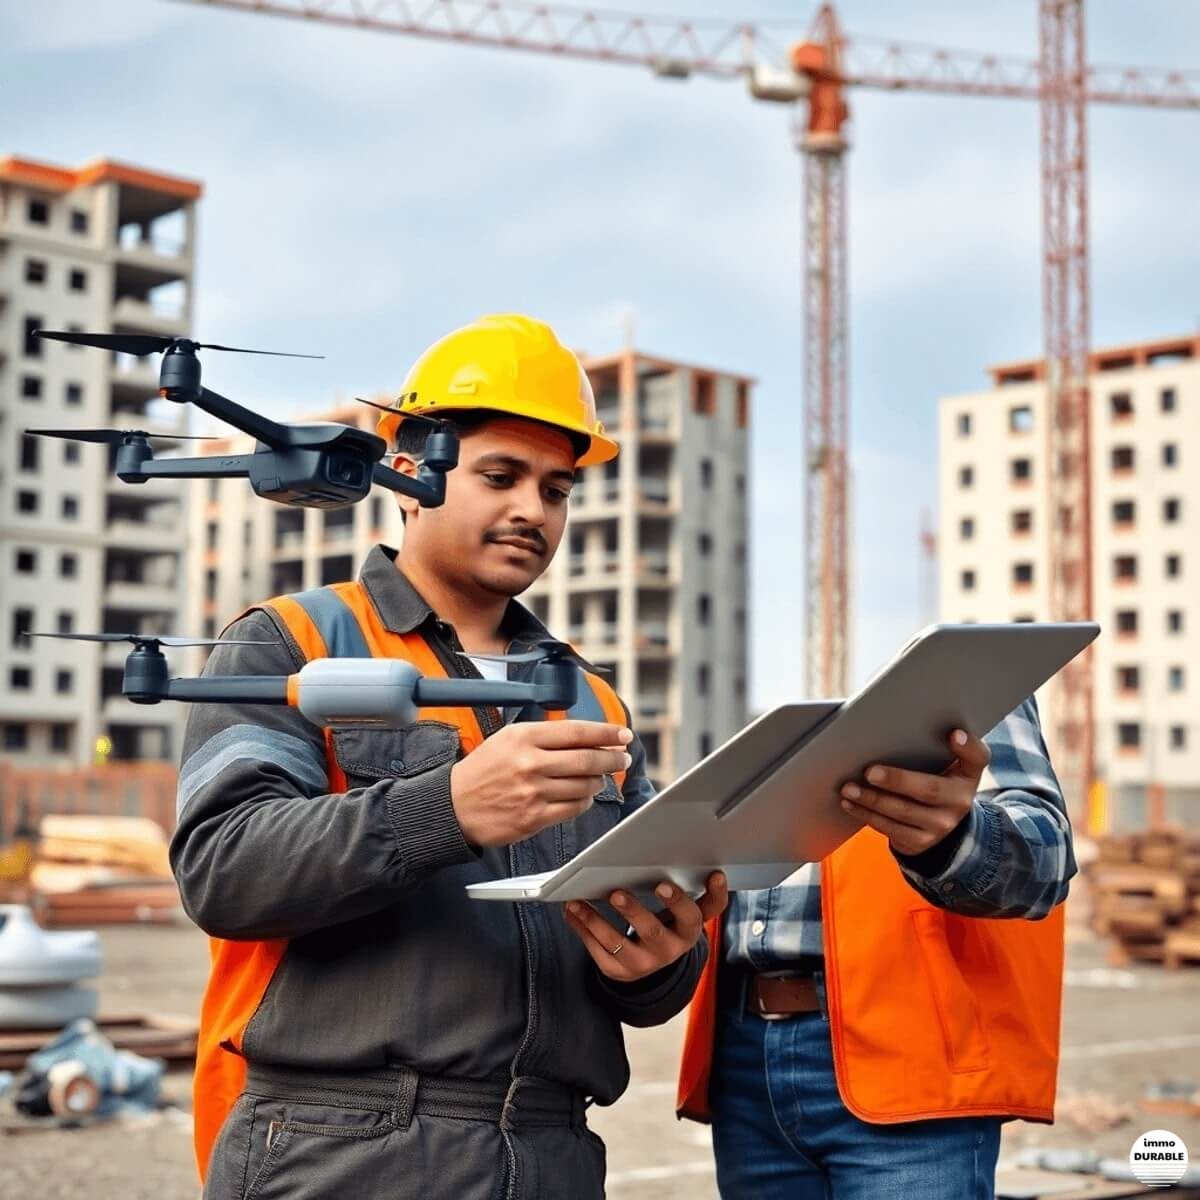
{"x":657,"y":998}
{"x":262,"y":848}
{"x":1012,"y":856}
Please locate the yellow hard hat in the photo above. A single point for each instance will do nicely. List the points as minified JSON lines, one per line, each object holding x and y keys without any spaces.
{"x":508,"y":364}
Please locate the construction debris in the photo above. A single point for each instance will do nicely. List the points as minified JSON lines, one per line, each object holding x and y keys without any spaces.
{"x":80,"y":1074}
{"x":1173,"y":1097}
{"x":154,"y":1034}
{"x":101,"y":870}
{"x":1145,"y":892}
{"x":1092,"y":1112}
{"x":40,"y":972}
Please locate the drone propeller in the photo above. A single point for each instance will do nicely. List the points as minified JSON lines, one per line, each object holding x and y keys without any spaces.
{"x":114,"y":437}
{"x":387,"y":408}
{"x":141,"y":344}
{"x":146,"y":639}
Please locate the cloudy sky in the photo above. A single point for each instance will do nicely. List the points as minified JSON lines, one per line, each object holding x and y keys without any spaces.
{"x":364,"y":193}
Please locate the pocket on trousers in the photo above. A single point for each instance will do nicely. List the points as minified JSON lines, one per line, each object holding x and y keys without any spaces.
{"x":314,"y":1151}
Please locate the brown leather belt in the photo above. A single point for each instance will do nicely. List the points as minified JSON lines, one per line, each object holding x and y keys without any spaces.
{"x":773,"y":997}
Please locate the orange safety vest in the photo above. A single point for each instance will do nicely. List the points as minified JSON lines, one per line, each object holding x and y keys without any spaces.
{"x":931,"y":1014}
{"x":242,"y":970}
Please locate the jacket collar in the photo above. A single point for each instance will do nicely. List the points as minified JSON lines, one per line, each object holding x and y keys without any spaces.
{"x":403,"y":609}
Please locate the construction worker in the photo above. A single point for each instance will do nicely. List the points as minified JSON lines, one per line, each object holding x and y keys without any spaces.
{"x":369,"y":1030}
{"x":862,"y":1033}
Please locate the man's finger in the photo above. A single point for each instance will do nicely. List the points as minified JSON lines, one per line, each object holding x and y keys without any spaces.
{"x":566,"y":763}
{"x":601,"y":939}
{"x":916,"y":785}
{"x":972,"y":754}
{"x":559,"y":735}
{"x":915,"y":813}
{"x":682,"y":914}
{"x":716,"y":896}
{"x":658,"y":939}
{"x":905,"y":838}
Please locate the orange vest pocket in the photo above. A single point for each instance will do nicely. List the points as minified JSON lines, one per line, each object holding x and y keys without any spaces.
{"x":957,"y":1009}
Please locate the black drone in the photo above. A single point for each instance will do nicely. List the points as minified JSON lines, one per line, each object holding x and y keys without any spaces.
{"x":383,"y":692}
{"x":323,"y":465}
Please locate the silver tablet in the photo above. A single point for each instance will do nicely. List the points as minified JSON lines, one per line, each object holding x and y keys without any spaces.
{"x":766,"y":802}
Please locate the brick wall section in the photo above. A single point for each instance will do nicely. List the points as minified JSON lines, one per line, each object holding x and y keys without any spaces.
{"x":119,"y":789}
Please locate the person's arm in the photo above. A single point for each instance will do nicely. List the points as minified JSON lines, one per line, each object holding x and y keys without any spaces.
{"x":656,"y":998}
{"x":1012,"y":855}
{"x":262,"y":848}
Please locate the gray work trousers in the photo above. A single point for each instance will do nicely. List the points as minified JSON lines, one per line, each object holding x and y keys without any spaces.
{"x":394,"y":1135}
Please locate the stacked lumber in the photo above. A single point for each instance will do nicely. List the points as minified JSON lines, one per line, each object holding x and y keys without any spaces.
{"x":102,"y":870}
{"x":1145,"y":892}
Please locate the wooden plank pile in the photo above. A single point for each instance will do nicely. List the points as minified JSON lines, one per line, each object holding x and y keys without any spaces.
{"x":1145,"y":893}
{"x":102,"y":870}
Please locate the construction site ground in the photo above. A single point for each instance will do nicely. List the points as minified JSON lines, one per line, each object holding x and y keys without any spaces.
{"x":1123,"y":1029}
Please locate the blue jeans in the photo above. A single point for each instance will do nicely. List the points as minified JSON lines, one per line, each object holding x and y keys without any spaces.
{"x":781,"y":1131}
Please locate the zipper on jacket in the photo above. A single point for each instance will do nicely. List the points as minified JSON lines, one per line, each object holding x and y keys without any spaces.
{"x":490,"y":720}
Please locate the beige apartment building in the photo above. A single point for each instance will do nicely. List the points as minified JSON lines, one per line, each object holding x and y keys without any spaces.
{"x":650,"y":582}
{"x":993,"y":548}
{"x":107,"y":248}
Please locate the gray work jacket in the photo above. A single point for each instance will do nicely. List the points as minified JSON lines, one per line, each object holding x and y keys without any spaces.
{"x":387,"y":960}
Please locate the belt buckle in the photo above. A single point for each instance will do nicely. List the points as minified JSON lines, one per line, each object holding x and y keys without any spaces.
{"x":771,"y":1016}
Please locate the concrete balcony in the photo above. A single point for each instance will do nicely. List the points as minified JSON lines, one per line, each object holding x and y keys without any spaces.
{"x":289,"y":542}
{"x":651,"y":706}
{"x":586,"y":566}
{"x":658,"y":424}
{"x":134,"y":380}
{"x":337,"y":535}
{"x":654,"y":567}
{"x":141,"y":597}
{"x":598,"y":637}
{"x":141,"y":314}
{"x":117,"y":710}
{"x":652,"y":635}
{"x":595,"y":493}
{"x":654,"y":496}
{"x":145,"y":535}
{"x":160,"y":259}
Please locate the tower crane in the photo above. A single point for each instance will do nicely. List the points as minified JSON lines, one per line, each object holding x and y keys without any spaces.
{"x":814,"y":75}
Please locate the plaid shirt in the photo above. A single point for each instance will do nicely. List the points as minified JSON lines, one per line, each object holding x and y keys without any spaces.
{"x":1011,"y":857}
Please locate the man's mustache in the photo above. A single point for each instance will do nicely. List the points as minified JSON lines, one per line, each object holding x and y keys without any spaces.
{"x":526,"y":535}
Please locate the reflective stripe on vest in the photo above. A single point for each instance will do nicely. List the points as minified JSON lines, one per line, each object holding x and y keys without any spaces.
{"x":334,"y":621}
{"x":931,"y":1014}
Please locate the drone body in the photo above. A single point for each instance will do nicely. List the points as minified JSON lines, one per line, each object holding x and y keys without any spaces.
{"x":383,"y":692}
{"x":321,"y":465}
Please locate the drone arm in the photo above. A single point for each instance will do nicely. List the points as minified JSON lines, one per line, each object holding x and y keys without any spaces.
{"x":231,"y":689}
{"x":429,"y":488}
{"x":271,"y":433}
{"x":216,"y":467}
{"x":446,"y":693}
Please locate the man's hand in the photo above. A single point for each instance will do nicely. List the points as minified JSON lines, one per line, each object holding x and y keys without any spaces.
{"x":655,"y":942}
{"x":532,"y":774}
{"x":913,"y":810}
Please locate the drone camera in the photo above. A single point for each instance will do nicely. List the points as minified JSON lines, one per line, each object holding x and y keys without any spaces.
{"x":341,"y":469}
